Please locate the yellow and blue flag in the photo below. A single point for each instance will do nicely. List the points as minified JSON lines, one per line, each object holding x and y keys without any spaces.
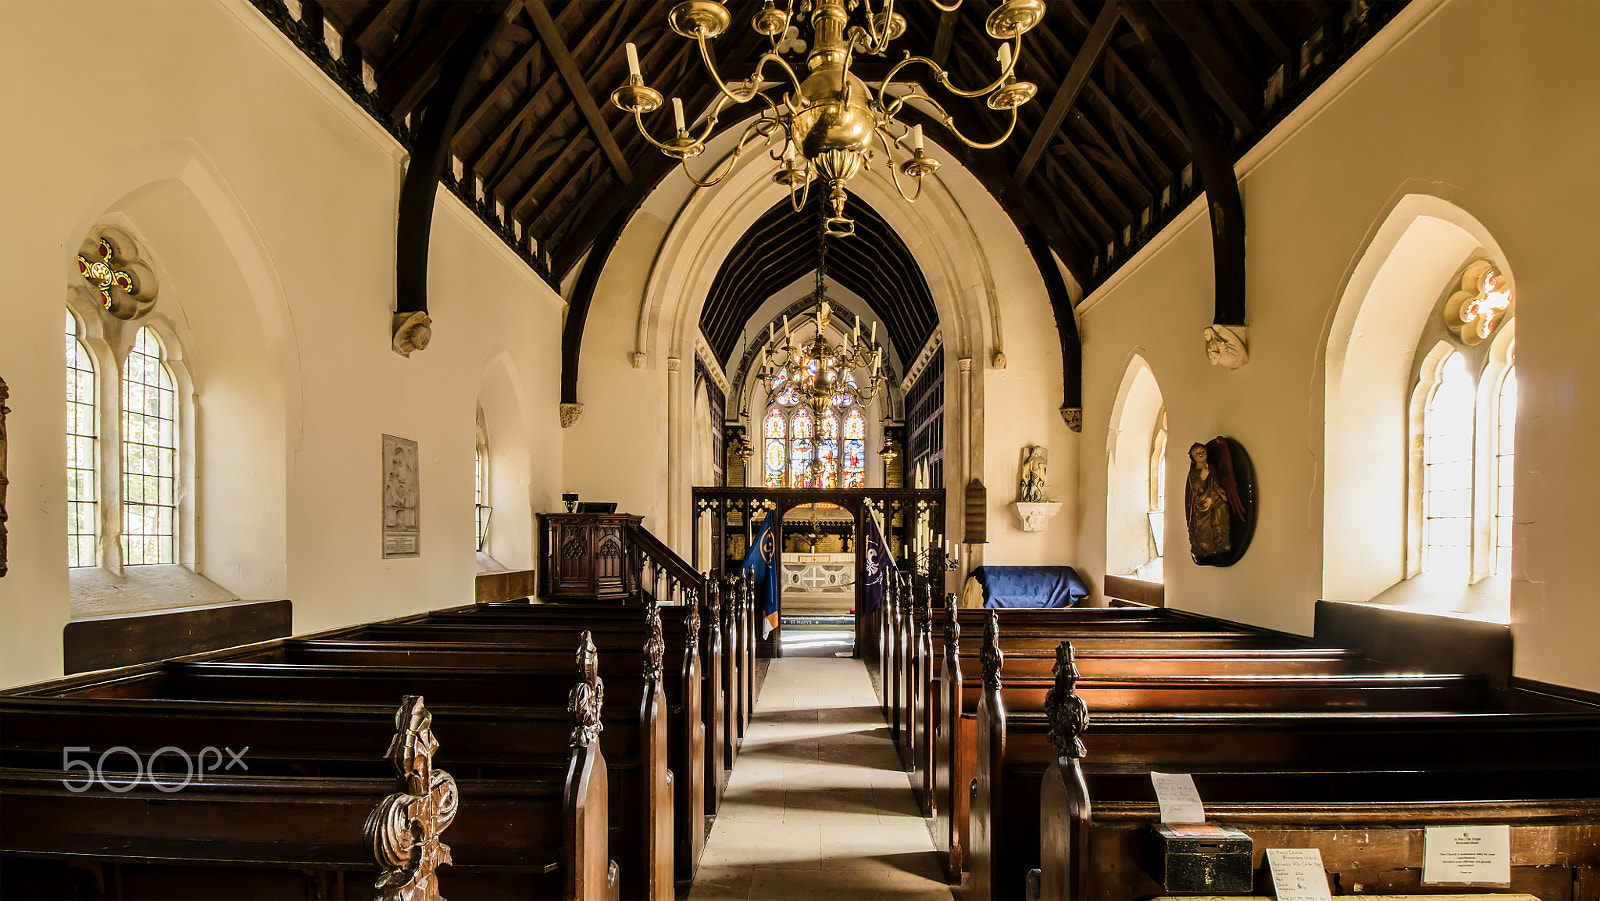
{"x":762,"y":564}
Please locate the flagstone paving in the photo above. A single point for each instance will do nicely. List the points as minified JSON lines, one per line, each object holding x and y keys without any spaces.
{"x":818,"y":805}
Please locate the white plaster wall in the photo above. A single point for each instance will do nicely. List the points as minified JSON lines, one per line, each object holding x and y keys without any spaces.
{"x":1513,"y":144}
{"x":286,"y":281}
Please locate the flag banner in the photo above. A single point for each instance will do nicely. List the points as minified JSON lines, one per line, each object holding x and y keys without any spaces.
{"x":762,"y":564}
{"x":879,"y":565}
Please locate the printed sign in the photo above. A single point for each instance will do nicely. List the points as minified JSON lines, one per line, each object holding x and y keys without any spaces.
{"x":1467,"y":854}
{"x":1297,"y":874}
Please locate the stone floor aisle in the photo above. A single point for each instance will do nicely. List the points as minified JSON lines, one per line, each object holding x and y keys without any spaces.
{"x":818,"y":806}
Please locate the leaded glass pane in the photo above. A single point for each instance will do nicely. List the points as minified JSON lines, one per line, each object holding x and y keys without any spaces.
{"x":773,"y":456}
{"x":1447,"y":470}
{"x":83,"y":508}
{"x":1504,"y":467}
{"x":149,"y":455}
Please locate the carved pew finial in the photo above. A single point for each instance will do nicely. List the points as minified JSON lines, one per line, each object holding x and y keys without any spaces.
{"x":1069,"y":715}
{"x":990,"y":655}
{"x":654,"y":645}
{"x":952,"y":624}
{"x":691,"y":620}
{"x":588,"y":696}
{"x":403,"y":830}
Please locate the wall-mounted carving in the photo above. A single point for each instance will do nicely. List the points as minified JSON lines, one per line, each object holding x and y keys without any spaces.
{"x":570,"y":414}
{"x":1034,"y":517}
{"x":410,"y":332}
{"x":1073,"y":417}
{"x":402,"y":499}
{"x":1227,"y":345}
{"x":1219,"y":502}
{"x":1474,"y":311}
{"x":114,"y":275}
{"x":1031,"y":490}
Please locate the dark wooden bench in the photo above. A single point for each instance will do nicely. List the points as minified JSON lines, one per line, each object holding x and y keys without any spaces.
{"x":640,"y":773}
{"x":1285,"y":756}
{"x":267,"y":836}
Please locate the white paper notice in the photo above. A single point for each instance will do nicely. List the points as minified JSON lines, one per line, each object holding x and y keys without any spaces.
{"x":1297,"y":874}
{"x":1179,"y":800}
{"x":1472,"y":854}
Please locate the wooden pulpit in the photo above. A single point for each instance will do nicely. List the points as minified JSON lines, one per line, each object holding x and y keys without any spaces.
{"x":585,"y":557}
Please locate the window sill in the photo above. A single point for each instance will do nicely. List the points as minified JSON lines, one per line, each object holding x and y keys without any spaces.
{"x":1487,"y":600}
{"x":96,"y":592}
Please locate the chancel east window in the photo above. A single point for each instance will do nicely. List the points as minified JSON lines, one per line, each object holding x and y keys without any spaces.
{"x":803,"y":448}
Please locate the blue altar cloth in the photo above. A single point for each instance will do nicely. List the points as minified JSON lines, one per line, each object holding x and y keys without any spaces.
{"x":1030,"y":586}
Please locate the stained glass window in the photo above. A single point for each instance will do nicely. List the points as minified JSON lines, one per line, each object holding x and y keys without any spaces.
{"x":802,"y":429}
{"x":855,"y":450}
{"x":149,"y":455}
{"x":83,"y":425}
{"x":773,"y":428}
{"x":1447,"y":470}
{"x":1504,"y":460}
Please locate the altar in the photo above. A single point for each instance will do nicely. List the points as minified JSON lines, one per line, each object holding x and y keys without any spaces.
{"x":819,"y":573}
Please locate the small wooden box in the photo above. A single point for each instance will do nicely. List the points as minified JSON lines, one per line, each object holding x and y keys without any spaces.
{"x":1203,"y":857}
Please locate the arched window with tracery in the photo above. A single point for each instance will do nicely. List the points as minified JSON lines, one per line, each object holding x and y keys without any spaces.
{"x":149,"y":455}
{"x":83,"y":451}
{"x":1447,"y":469}
{"x":1505,"y":446}
{"x":803,"y":448}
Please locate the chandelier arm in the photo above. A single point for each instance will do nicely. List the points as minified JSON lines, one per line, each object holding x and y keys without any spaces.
{"x":946,"y":7}
{"x":755,"y":79}
{"x":943,"y":77}
{"x":894,"y":171}
{"x":638,"y":119}
{"x":805,"y":195}
{"x":950,"y":124}
{"x":733,"y":158}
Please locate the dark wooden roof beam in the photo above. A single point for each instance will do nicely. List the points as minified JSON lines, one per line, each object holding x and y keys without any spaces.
{"x":556,"y":46}
{"x":405,"y":80}
{"x":1067,"y":93}
{"x":1227,"y":83}
{"x":372,"y":19}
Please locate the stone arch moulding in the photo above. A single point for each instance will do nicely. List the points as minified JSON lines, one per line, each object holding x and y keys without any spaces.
{"x":1411,"y":254}
{"x":935,"y":230}
{"x":182,"y":164}
{"x":607,"y":235}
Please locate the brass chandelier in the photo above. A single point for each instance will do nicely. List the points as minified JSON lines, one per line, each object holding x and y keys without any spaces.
{"x":824,"y":125}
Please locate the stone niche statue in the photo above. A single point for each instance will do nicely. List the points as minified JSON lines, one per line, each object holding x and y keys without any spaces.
{"x":1031,"y":490}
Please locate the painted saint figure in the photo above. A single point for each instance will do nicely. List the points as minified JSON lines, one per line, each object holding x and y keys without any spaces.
{"x":1033,"y":477}
{"x":1206,"y":507}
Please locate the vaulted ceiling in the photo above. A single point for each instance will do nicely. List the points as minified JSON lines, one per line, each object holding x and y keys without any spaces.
{"x":782,"y":246}
{"x":1101,"y":159}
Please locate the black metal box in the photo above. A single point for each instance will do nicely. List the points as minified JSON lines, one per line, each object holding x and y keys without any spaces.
{"x":1202,"y":857}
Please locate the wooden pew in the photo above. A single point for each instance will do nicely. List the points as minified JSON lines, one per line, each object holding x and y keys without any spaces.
{"x":640,"y":775}
{"x":951,"y":714}
{"x":282,"y":836}
{"x":517,"y":624}
{"x":1290,"y":757}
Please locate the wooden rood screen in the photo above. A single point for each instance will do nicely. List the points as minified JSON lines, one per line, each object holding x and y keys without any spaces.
{"x":734,"y":512}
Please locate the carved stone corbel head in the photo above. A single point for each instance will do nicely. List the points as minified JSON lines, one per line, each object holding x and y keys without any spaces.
{"x":1226,"y":345}
{"x":570,"y":414}
{"x":409,"y":332}
{"x":1073,"y":417}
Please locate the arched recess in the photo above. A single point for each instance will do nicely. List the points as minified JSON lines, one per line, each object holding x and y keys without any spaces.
{"x":1136,"y":416}
{"x":510,"y":477}
{"x":223,"y":314}
{"x":952,"y":256}
{"x":1413,"y":254}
